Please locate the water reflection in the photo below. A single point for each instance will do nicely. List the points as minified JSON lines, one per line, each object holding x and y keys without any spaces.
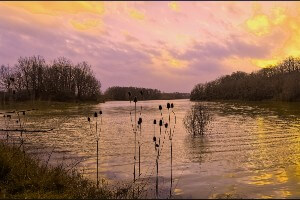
{"x":197,"y":148}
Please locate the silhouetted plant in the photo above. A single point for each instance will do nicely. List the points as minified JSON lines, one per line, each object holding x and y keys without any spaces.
{"x":197,"y":119}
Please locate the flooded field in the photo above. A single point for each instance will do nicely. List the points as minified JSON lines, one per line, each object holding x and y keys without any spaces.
{"x":251,"y":150}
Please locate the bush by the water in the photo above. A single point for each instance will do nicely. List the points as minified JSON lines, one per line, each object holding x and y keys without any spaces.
{"x":197,"y":119}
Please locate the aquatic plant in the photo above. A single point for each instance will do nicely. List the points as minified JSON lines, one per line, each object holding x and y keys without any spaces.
{"x":197,"y":119}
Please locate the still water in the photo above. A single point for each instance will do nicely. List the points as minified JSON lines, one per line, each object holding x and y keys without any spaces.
{"x":251,"y":150}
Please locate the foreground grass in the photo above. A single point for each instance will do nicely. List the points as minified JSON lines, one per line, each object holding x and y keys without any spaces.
{"x":24,"y":177}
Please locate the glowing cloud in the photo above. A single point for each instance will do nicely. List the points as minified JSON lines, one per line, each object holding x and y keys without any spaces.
{"x":165,"y":59}
{"x":85,"y":25}
{"x":56,"y":8}
{"x":137,"y":15}
{"x":174,"y":6}
{"x":259,"y":25}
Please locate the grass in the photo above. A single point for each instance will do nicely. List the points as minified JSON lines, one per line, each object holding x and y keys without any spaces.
{"x":22,"y":176}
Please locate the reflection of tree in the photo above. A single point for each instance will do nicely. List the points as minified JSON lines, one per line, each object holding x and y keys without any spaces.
{"x":197,"y":148}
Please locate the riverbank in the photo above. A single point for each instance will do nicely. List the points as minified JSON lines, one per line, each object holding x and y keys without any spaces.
{"x":24,"y":177}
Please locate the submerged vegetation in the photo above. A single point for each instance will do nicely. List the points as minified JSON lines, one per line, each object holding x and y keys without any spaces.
{"x":32,"y":78}
{"x":120,"y":94}
{"x":197,"y":119}
{"x":280,"y":82}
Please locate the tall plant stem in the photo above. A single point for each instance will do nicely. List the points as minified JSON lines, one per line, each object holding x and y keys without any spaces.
{"x":97,"y":164}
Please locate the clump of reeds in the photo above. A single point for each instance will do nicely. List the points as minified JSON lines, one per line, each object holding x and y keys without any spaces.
{"x":157,"y":140}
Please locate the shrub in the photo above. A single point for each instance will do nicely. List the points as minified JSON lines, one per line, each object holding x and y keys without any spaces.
{"x":197,"y":119}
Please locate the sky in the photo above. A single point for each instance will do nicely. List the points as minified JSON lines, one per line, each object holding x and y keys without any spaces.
{"x":170,"y":46}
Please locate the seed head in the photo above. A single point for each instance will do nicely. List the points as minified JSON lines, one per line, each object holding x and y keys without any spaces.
{"x":17,"y":121}
{"x":156,"y":145}
{"x":154,"y":121}
{"x":135,"y":99}
{"x":160,"y":123}
{"x":140,"y":120}
{"x":129,"y":94}
{"x":89,"y":119}
{"x":141,"y":92}
{"x":168,"y":105}
{"x":23,"y":112}
{"x":154,"y":139}
{"x":100,"y":112}
{"x":160,"y":107}
{"x":95,"y":114}
{"x":166,"y":125}
{"x":172,"y":105}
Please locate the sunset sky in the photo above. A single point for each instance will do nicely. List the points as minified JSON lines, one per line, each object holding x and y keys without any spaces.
{"x":170,"y":46}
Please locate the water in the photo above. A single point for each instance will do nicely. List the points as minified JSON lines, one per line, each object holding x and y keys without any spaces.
{"x":251,"y":150}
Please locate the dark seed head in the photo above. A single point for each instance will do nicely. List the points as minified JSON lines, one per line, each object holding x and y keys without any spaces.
{"x":23,"y":112}
{"x":154,"y":121}
{"x":95,"y":114}
{"x":160,"y":123}
{"x":172,"y":105}
{"x":154,"y":139}
{"x":89,"y":119}
{"x":129,"y":94}
{"x":140,"y":120}
{"x":160,"y":107}
{"x":135,"y":99}
{"x":100,"y":112}
{"x":141,"y":92}
{"x":168,"y":105}
{"x":166,"y":125}
{"x":156,"y":145}
{"x":17,"y":121}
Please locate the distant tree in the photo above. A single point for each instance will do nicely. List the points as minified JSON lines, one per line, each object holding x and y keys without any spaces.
{"x":60,"y":80}
{"x":280,"y":82}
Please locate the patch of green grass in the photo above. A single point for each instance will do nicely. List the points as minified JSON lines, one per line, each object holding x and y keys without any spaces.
{"x":24,"y":177}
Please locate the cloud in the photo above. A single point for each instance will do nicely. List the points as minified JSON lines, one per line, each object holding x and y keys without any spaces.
{"x":86,"y":24}
{"x":174,"y":6}
{"x":58,"y":8}
{"x":135,"y":14}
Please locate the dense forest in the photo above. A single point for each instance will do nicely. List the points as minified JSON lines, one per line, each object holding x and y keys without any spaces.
{"x":121,"y":94}
{"x":61,"y":80}
{"x":279,"y":82}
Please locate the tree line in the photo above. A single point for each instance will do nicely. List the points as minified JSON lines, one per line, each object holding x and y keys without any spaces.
{"x":32,"y":78}
{"x":278,"y":82}
{"x":121,"y":94}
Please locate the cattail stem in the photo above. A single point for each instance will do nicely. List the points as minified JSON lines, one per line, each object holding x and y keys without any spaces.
{"x":171,"y":169}
{"x":139,"y":160}
{"x":97,"y":163}
{"x":135,"y":129}
{"x":157,"y":176}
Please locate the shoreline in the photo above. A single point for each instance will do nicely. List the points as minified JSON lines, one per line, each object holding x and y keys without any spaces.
{"x":26,"y":176}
